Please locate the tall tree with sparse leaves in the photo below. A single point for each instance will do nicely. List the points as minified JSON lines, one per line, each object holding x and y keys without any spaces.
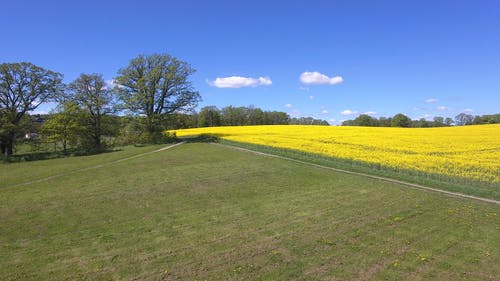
{"x":23,"y":87}
{"x":156,"y":85}
{"x":90,"y":92}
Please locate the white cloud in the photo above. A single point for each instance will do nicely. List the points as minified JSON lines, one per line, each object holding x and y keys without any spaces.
{"x":348,"y":112}
{"x":314,"y":78}
{"x":288,"y":105}
{"x":110,"y":84}
{"x":468,"y":111}
{"x":431,"y":100}
{"x":442,"y":108}
{"x":304,"y":88}
{"x":240,"y":82}
{"x":332,"y":120}
{"x":371,"y":113}
{"x":311,"y":97}
{"x":427,"y":117}
{"x":324,"y":111}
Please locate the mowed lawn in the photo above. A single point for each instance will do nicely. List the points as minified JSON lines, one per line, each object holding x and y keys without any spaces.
{"x":208,"y":212}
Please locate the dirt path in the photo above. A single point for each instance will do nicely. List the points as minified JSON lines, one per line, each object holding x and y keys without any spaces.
{"x":411,"y":185}
{"x":96,"y":166}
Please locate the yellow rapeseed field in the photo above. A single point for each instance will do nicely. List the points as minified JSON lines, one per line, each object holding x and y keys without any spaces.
{"x":471,"y":152}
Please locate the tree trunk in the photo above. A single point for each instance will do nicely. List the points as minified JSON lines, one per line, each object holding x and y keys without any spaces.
{"x":150,"y":126}
{"x":8,"y":143}
{"x":97,"y":142}
{"x":8,"y":148}
{"x":151,"y":129}
{"x":97,"y":135}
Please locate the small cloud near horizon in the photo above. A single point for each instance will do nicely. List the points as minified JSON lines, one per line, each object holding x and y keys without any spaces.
{"x":333,"y":122}
{"x":431,"y":100}
{"x":348,"y":112}
{"x":371,"y":113}
{"x":316,"y":78}
{"x":288,"y":105}
{"x":427,"y":117}
{"x":442,"y":108}
{"x":240,"y":82}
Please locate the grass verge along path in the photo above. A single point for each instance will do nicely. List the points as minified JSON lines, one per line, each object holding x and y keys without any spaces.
{"x":412,"y":185}
{"x":475,"y":189}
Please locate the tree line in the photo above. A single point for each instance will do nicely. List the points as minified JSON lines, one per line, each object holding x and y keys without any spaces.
{"x":211,"y":116}
{"x":149,"y":95}
{"x":401,"y":120}
{"x":148,"y":89}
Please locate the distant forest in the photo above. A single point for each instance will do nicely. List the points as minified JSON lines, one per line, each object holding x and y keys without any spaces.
{"x":401,"y":120}
{"x":211,"y":116}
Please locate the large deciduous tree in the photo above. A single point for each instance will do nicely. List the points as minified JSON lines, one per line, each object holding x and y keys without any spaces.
{"x":23,"y":87}
{"x":155,"y":86}
{"x":401,"y":120}
{"x":90,"y":92}
{"x":464,"y":119}
{"x":365,"y":120}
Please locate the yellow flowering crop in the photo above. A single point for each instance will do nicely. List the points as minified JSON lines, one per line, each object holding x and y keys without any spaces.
{"x":471,"y":152}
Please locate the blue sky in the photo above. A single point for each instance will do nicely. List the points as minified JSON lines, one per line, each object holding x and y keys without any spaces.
{"x":421,"y":58}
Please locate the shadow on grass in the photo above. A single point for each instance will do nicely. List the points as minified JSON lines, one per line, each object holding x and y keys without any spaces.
{"x":202,"y":138}
{"x":46,"y":155}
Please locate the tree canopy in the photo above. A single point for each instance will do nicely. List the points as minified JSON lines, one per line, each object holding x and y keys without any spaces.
{"x":401,"y":120}
{"x":90,"y":92}
{"x":23,"y":87}
{"x":65,"y":125}
{"x":464,"y":119}
{"x":156,"y":85}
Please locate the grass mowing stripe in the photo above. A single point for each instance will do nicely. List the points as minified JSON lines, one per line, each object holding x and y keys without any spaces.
{"x":301,"y":219}
{"x":93,"y":167}
{"x":412,"y":185}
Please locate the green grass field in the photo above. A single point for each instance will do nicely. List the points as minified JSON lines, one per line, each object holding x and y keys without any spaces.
{"x":480,"y":189}
{"x":207,"y":212}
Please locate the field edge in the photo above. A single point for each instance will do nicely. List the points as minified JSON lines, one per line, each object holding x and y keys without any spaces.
{"x":443,"y":182}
